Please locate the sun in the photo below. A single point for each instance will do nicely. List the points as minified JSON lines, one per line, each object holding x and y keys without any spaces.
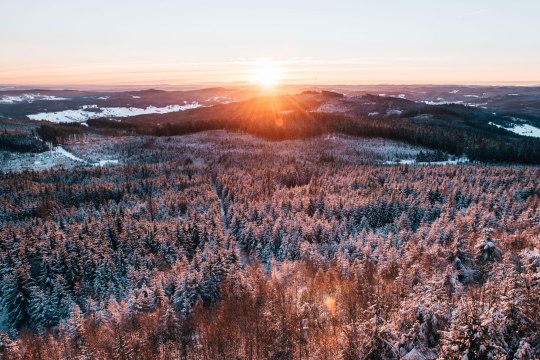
{"x":266,"y":74}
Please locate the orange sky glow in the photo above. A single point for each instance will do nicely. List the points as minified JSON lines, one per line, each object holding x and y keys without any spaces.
{"x":139,"y":42}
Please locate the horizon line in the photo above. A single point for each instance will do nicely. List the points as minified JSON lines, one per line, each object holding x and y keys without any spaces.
{"x":203,"y":85}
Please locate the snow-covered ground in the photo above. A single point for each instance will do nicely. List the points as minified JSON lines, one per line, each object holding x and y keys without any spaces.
{"x":521,"y":129}
{"x":57,"y":157}
{"x":93,"y":112}
{"x":334,"y":107}
{"x":28,"y":98}
{"x":526,"y":130}
{"x":106,"y":162}
{"x":222,"y":99}
{"x":394,"y":112}
{"x":461,"y":160}
{"x":66,"y":153}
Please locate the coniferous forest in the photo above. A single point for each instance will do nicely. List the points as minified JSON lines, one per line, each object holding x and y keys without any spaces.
{"x":269,"y":180}
{"x":251,"y":253}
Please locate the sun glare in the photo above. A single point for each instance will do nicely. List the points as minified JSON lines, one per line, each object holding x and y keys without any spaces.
{"x":266,"y":74}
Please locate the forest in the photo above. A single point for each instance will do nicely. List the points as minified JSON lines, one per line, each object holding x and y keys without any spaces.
{"x":250,"y":255}
{"x":454,"y":129}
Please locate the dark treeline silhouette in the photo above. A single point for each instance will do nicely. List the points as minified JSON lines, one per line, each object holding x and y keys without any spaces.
{"x":21,"y":143}
{"x":266,"y":257}
{"x":59,"y":133}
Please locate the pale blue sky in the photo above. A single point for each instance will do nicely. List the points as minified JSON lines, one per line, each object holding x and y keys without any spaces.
{"x":195,"y":42}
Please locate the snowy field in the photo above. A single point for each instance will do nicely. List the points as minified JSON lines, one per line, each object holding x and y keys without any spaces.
{"x":87,"y":112}
{"x":57,"y":157}
{"x":521,"y":128}
{"x":28,"y":98}
{"x":453,"y":161}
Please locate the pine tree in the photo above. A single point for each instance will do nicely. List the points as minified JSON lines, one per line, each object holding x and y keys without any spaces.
{"x":16,"y":293}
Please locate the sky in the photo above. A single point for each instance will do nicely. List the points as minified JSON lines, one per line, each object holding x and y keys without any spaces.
{"x":121,"y":42}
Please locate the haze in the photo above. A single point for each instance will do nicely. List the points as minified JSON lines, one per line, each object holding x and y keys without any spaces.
{"x":217,"y":42}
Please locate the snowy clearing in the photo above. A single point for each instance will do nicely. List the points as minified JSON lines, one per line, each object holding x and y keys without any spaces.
{"x":394,"y":112}
{"x":83,"y":114}
{"x":66,"y":153}
{"x":106,"y":162}
{"x":441,"y":101}
{"x":57,"y":157}
{"x":28,"y":98}
{"x":461,"y":160}
{"x":522,"y":129}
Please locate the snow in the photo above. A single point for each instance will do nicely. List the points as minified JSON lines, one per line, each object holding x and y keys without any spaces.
{"x":441,"y":102}
{"x":104,"y":97}
{"x":106,"y":162}
{"x":94,"y":153}
{"x":69,"y":155}
{"x":454,"y":92}
{"x":136,"y":97}
{"x":526,"y":130}
{"x":60,"y":150}
{"x":414,"y":355}
{"x":222,"y":99}
{"x":514,"y":94}
{"x":482,"y":105}
{"x":393,"y":112}
{"x":531,"y":253}
{"x":375,"y":113}
{"x":400,"y":162}
{"x":334,"y":107}
{"x":471,"y":96}
{"x":532,"y":256}
{"x":82,"y":115}
{"x":66,"y":153}
{"x":521,"y":129}
{"x":29,"y":98}
{"x":457,"y":161}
